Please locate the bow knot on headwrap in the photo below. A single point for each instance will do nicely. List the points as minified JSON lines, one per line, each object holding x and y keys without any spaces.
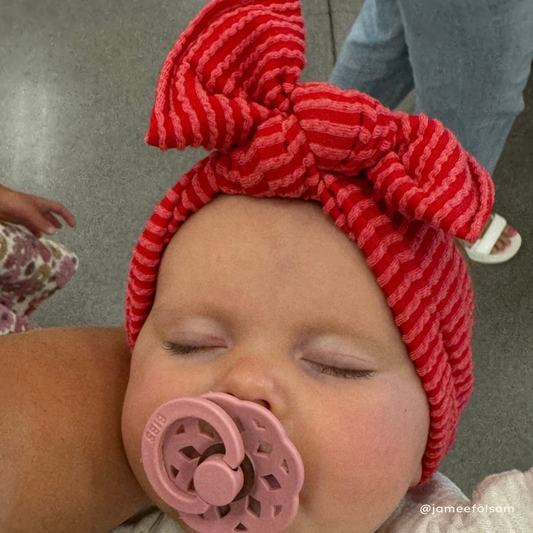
{"x":231,"y":84}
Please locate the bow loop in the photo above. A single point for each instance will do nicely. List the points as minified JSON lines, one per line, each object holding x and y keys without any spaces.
{"x":235,"y":66}
{"x":415,"y":165}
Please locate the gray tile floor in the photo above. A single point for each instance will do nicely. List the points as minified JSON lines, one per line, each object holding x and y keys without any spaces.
{"x":77,"y":81}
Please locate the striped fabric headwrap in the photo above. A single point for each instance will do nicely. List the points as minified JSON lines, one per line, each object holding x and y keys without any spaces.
{"x":400,"y":186}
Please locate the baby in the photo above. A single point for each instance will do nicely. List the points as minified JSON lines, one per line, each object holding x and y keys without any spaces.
{"x":267,"y":300}
{"x":318,"y":276}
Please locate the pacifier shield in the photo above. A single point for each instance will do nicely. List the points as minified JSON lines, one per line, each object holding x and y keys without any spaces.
{"x":226,"y":465}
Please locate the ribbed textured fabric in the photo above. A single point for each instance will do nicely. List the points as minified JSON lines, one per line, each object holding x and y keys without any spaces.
{"x":400,"y":186}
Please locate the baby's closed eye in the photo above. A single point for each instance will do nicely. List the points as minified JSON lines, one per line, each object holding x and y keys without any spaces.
{"x":186,"y":349}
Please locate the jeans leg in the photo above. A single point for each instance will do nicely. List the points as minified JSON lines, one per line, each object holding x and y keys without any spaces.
{"x":471,"y":60}
{"x":373,"y":58}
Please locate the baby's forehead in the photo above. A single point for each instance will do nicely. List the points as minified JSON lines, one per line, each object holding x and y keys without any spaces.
{"x":240,"y":212}
{"x":288,"y":246}
{"x":285,"y":228}
{"x":278,"y":236}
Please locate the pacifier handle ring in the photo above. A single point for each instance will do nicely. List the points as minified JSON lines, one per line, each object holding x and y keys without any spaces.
{"x":161,"y":422}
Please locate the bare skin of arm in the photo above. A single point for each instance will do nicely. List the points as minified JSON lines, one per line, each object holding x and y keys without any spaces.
{"x":63,"y":467}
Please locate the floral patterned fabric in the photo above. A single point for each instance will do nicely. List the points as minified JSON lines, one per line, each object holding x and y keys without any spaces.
{"x":31,"y":270}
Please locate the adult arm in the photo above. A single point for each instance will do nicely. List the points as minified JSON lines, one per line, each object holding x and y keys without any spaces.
{"x":63,"y":467}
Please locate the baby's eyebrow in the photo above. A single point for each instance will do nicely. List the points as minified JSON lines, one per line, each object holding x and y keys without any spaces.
{"x":166,"y":316}
{"x":358,"y":339}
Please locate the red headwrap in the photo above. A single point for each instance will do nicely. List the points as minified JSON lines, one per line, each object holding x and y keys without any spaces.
{"x":400,"y":186}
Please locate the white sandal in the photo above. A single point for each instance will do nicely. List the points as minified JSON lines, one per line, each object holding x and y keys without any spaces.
{"x":480,"y":250}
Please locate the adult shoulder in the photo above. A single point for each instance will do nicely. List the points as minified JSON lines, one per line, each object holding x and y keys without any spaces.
{"x":62,"y":462}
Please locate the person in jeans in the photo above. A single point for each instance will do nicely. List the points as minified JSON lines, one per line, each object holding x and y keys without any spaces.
{"x":468,"y":62}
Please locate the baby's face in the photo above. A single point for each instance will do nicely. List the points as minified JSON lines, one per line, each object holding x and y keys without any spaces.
{"x":273,"y":293}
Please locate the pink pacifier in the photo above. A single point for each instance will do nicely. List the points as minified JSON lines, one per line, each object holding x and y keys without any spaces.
{"x":225,"y":464}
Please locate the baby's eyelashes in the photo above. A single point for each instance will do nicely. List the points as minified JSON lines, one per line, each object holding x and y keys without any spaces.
{"x":186,"y":349}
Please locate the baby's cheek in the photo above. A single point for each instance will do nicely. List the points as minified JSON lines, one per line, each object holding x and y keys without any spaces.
{"x":389,"y":445}
{"x":374,"y":452}
{"x":141,"y":401}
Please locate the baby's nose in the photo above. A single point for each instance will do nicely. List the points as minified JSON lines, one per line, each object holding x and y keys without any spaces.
{"x":262,"y":403}
{"x":217,"y":459}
